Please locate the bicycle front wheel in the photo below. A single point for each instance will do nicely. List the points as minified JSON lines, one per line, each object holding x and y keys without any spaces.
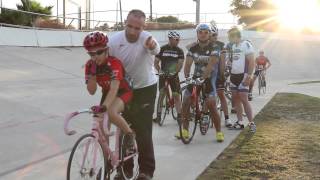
{"x":87,"y":160}
{"x":187,"y":129}
{"x":162,"y":109}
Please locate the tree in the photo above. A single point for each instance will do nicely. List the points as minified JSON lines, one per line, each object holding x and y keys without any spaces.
{"x":20,"y":18}
{"x":167,"y":19}
{"x":255,"y":14}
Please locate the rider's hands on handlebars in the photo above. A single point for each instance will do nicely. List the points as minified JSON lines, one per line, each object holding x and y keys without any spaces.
{"x":98,"y":109}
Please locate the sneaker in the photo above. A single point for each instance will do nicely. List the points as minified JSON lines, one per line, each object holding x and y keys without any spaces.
{"x":238,"y":125}
{"x":143,"y":176}
{"x":185,"y":134}
{"x":220,"y":136}
{"x":250,"y":96}
{"x":252,"y":127}
{"x":233,"y":111}
{"x":129,"y":143}
{"x":228,"y":123}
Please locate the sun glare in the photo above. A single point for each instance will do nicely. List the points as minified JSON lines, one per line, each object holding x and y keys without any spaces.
{"x":299,"y":14}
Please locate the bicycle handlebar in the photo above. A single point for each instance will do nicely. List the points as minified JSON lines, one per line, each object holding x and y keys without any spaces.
{"x":193,"y":81}
{"x":165,"y":74}
{"x":67,"y":131}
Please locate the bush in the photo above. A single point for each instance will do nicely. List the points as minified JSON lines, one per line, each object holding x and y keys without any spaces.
{"x":166,"y":26}
{"x":167,"y":19}
{"x":50,"y":23}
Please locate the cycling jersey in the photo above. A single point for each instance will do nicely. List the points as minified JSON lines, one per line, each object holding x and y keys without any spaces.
{"x":112,"y":69}
{"x":239,"y":53}
{"x":201,"y":57}
{"x":169,"y":57}
{"x":261,"y":61}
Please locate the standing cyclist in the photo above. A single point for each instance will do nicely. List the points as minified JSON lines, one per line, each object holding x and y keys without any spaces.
{"x":136,"y":48}
{"x":220,"y":82}
{"x":262,"y":64}
{"x":205,"y":58}
{"x":241,"y":73}
{"x":171,"y":57}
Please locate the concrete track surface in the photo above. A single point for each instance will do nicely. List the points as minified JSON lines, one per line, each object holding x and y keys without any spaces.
{"x":39,"y":86}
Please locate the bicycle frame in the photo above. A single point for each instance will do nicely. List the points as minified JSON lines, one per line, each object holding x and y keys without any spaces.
{"x":102,"y":135}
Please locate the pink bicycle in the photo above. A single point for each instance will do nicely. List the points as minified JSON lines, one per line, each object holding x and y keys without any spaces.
{"x":92,"y":157}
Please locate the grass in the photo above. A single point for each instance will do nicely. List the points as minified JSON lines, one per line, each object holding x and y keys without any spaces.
{"x":285,"y":146}
{"x":305,"y":82}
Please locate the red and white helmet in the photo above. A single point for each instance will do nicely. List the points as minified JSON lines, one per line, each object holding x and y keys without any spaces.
{"x":95,"y":39}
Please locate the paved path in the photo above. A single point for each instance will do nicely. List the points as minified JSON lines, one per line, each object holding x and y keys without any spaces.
{"x":40,"y":85}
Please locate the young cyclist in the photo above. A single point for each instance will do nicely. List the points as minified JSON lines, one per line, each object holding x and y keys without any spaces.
{"x":171,"y":58}
{"x":108,"y":73}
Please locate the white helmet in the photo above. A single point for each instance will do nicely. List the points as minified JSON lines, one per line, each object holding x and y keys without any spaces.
{"x":213,"y":26}
{"x":173,"y":34}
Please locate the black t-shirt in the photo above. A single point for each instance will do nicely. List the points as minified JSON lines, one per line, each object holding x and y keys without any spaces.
{"x":169,"y":57}
{"x":201,"y":57}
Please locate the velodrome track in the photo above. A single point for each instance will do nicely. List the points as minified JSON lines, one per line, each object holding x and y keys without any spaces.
{"x":38,"y":86}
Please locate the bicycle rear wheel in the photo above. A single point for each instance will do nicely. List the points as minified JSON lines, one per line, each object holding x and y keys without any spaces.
{"x":260,"y":84}
{"x":129,"y":166}
{"x":87,"y":160}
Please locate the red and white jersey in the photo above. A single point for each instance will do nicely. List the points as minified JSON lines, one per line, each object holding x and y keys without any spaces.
{"x":112,"y":69}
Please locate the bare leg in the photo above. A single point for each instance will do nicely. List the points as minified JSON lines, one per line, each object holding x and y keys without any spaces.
{"x":211,"y":102}
{"x":223,"y":101}
{"x":252,"y":83}
{"x":237,"y":104}
{"x":177,"y":103}
{"x":113,"y":112}
{"x":247,"y":107}
{"x":186,"y":111}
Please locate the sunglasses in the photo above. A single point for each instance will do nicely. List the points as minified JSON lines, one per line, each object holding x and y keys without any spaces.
{"x":96,"y":53}
{"x":176,"y":39}
{"x":214,"y":35}
{"x":203,"y":32}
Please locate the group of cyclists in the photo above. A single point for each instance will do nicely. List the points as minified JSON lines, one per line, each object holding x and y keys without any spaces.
{"x":211,"y":60}
{"x":130,"y":53}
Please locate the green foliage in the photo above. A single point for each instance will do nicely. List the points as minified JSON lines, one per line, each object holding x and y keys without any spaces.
{"x":20,"y":18}
{"x":167,"y":19}
{"x":255,"y":14}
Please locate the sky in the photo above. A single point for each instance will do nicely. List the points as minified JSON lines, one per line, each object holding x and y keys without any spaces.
{"x":217,"y":10}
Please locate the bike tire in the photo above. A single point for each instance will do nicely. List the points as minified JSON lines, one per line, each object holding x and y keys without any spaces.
{"x":259,"y":84}
{"x":193,"y":122}
{"x":101,"y":173}
{"x":131,"y":163}
{"x":162,"y":108}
